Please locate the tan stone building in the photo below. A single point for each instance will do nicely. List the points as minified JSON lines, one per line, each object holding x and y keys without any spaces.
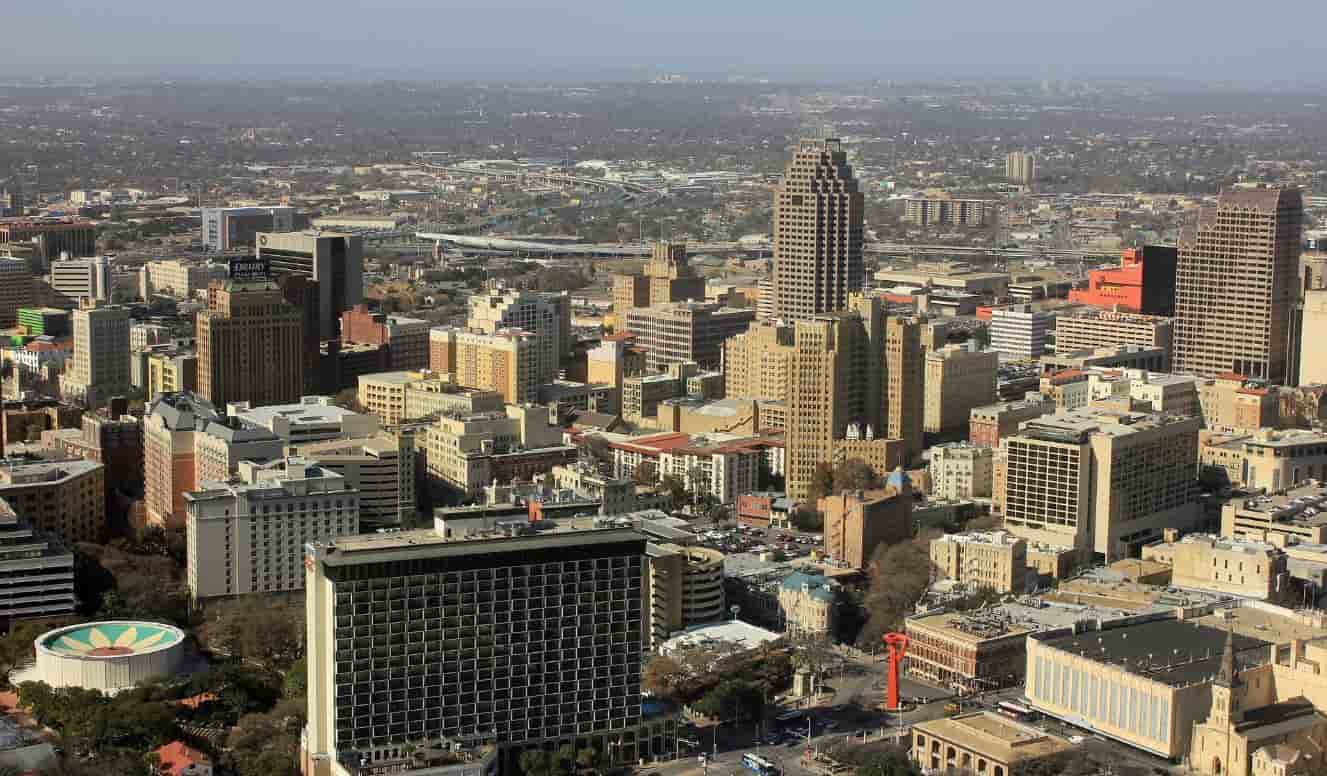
{"x":1101,"y":482}
{"x":1242,"y":327}
{"x":957,"y":650}
{"x":667,"y":277}
{"x":957,"y":381}
{"x":1298,"y":516}
{"x":962,"y":471}
{"x":1268,"y":460}
{"x":504,"y":361}
{"x":1240,"y":567}
{"x":381,"y":468}
{"x":171,"y":372}
{"x":856,"y":523}
{"x":246,"y":332}
{"x":1093,"y":329}
{"x":545,"y":315}
{"x":1230,"y":405}
{"x":459,"y":450}
{"x":100,"y":367}
{"x":63,"y":498}
{"x":686,"y":331}
{"x":757,"y":363}
{"x":981,"y":743}
{"x":982,"y":559}
{"x":817,"y":232}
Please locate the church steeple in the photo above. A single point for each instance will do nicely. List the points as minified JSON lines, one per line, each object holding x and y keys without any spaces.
{"x":1225,"y":687}
{"x":1227,"y":677}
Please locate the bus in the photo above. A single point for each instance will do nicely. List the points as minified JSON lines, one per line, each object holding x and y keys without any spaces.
{"x":1016,"y":710}
{"x":759,"y":765}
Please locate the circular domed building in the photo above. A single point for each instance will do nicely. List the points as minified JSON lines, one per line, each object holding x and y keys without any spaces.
{"x":107,"y":656}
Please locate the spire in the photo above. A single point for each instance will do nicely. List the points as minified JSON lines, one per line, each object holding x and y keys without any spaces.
{"x":1227,"y":677}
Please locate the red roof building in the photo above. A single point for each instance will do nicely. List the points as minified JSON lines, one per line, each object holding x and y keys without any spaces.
{"x":180,"y":759}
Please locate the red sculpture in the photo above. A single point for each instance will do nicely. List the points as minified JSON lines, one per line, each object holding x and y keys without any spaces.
{"x":897,"y":643}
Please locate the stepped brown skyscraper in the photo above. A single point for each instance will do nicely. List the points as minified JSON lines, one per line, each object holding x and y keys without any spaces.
{"x":817,"y":232}
{"x":1235,"y":284}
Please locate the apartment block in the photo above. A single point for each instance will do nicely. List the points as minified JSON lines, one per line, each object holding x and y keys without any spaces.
{"x":857,"y":523}
{"x":461,"y":451}
{"x":818,"y":211}
{"x":937,"y":211}
{"x":36,"y":572}
{"x":1241,"y":327}
{"x":961,"y":472}
{"x":988,"y":425}
{"x":247,"y":329}
{"x":686,"y":331}
{"x":545,"y":315}
{"x":178,"y":279}
{"x":1020,"y":333}
{"x":62,"y":498}
{"x":249,"y":536}
{"x":407,"y":339}
{"x":1100,"y":481}
{"x":100,"y":367}
{"x":1020,"y":167}
{"x":381,"y":468}
{"x":996,"y":560}
{"x":505,"y":361}
{"x":170,"y":371}
{"x":1094,"y":329}
{"x":519,"y":640}
{"x":957,"y":380}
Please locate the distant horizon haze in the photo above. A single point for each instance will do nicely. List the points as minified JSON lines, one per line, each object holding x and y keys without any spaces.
{"x":1214,"y":41}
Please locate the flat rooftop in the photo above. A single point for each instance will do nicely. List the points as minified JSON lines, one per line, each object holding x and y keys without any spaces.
{"x":1302,"y":506}
{"x":992,"y":734}
{"x":423,"y":544}
{"x":1174,"y":652}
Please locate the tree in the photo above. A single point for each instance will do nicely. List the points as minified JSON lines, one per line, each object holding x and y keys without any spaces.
{"x":732,"y":699}
{"x":271,"y":636}
{"x":822,"y":481}
{"x":900,"y":574}
{"x":596,"y":451}
{"x":677,"y":490}
{"x":806,"y":519}
{"x":534,"y":762}
{"x":855,"y":474}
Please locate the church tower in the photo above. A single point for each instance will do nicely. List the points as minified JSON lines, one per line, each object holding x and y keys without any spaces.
{"x":1226,"y":709}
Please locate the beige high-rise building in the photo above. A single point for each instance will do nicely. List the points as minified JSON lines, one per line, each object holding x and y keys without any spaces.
{"x":504,"y":361}
{"x":545,"y":315}
{"x":381,"y":468}
{"x":817,"y":232}
{"x":170,"y":372}
{"x":250,"y":343}
{"x":100,"y":367}
{"x":1313,"y":340}
{"x":957,"y":380}
{"x":668,"y":277}
{"x":612,"y":362}
{"x":992,"y":559}
{"x":756,"y":364}
{"x":1020,"y":167}
{"x":686,"y":331}
{"x":852,"y":371}
{"x":1236,"y":283}
{"x":1101,"y":482}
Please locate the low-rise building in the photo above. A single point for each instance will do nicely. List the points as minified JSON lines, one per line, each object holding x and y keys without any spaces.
{"x":967,"y":652}
{"x":384,"y":393}
{"x":1268,"y":460}
{"x":1299,"y":515}
{"x":248,"y":536}
{"x":312,"y":419}
{"x":988,"y":424}
{"x":960,"y":472}
{"x":684,"y":586}
{"x":981,"y":743}
{"x":1239,"y":567}
{"x":808,"y":603}
{"x":982,"y":559}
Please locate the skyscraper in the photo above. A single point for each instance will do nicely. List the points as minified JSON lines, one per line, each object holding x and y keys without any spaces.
{"x":101,"y":354}
{"x":817,"y":232}
{"x":1020,"y":167}
{"x":545,"y":315}
{"x":250,"y":346}
{"x":1235,"y":285}
{"x":336,"y":261}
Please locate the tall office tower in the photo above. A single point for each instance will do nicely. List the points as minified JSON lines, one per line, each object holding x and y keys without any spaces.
{"x":1313,"y":344}
{"x":1235,"y":285}
{"x":231,"y":228}
{"x":957,"y":381}
{"x":76,"y":279}
{"x":303,"y":293}
{"x":101,"y":355}
{"x":855,"y":377}
{"x":817,"y":232}
{"x":476,"y":639}
{"x":16,"y":290}
{"x":547,"y":316}
{"x":250,"y":342}
{"x":335,"y":260}
{"x":49,"y":238}
{"x":1020,"y":167}
{"x":757,"y":364}
{"x":905,"y":395}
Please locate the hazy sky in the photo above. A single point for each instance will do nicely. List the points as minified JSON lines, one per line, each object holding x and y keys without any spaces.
{"x":1213,"y":39}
